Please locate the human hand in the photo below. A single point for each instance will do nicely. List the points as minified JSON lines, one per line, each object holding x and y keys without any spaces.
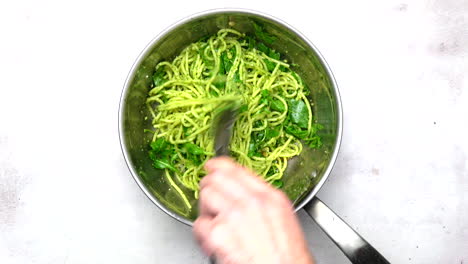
{"x":244,"y":220}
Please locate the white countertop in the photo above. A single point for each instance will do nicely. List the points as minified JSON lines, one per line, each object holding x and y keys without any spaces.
{"x":401,"y":178}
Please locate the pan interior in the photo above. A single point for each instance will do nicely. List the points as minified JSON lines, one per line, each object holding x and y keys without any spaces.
{"x":303,"y":172}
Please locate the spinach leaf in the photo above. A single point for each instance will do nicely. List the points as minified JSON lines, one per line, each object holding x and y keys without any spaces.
{"x":265,"y":97}
{"x":273,"y":54}
{"x":270,"y":133}
{"x":220,"y":81}
{"x":262,"y":35}
{"x":243,"y":108}
{"x":159,"y":144}
{"x":252,"y":42}
{"x":270,"y":65}
{"x":296,"y":131}
{"x":222,"y":67}
{"x":298,"y":112}
{"x":162,"y":154}
{"x":314,"y":142}
{"x":227,"y":59}
{"x":163,"y":164}
{"x":277,"y":183}
{"x":194,"y":153}
{"x":214,"y":93}
{"x":277,"y":105}
{"x":158,"y":77}
{"x":253,"y":150}
{"x":261,"y":47}
{"x":193,"y":149}
{"x":258,"y":136}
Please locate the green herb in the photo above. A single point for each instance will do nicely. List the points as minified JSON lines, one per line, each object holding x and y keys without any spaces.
{"x":271,"y":133}
{"x":236,"y":78}
{"x":277,"y":105}
{"x":162,"y":154}
{"x":296,"y":131}
{"x":251,"y":41}
{"x":262,"y":35}
{"x":214,"y":93}
{"x":273,"y":54}
{"x":227,"y":60}
{"x":261,"y":47}
{"x":159,"y":145}
{"x":220,"y":81}
{"x":194,"y":149}
{"x":158,"y":77}
{"x":270,"y":65}
{"x":253,"y":150}
{"x":258,"y":136}
{"x":243,"y":108}
{"x":298,"y":112}
{"x":277,"y":183}
{"x":163,"y":164}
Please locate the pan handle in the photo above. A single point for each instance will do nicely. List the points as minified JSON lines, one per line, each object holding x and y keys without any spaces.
{"x":351,"y":243}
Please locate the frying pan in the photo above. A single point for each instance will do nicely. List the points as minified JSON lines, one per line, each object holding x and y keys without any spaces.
{"x":305,"y":173}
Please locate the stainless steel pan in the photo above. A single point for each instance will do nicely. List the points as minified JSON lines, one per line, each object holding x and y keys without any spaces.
{"x":305,"y":174}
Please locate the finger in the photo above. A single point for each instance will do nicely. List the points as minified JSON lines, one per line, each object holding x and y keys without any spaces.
{"x":213,"y":235}
{"x":202,"y":229}
{"x":213,"y":200}
{"x":220,"y":163}
{"x":226,"y":174}
{"x":228,"y":184}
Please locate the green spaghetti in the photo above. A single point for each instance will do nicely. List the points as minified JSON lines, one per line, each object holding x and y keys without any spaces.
{"x":274,"y":120}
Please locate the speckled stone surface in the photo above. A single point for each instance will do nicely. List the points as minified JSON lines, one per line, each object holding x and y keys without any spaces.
{"x":401,"y":178}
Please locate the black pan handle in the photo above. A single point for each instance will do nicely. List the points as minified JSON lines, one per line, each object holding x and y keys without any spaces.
{"x":351,"y":243}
